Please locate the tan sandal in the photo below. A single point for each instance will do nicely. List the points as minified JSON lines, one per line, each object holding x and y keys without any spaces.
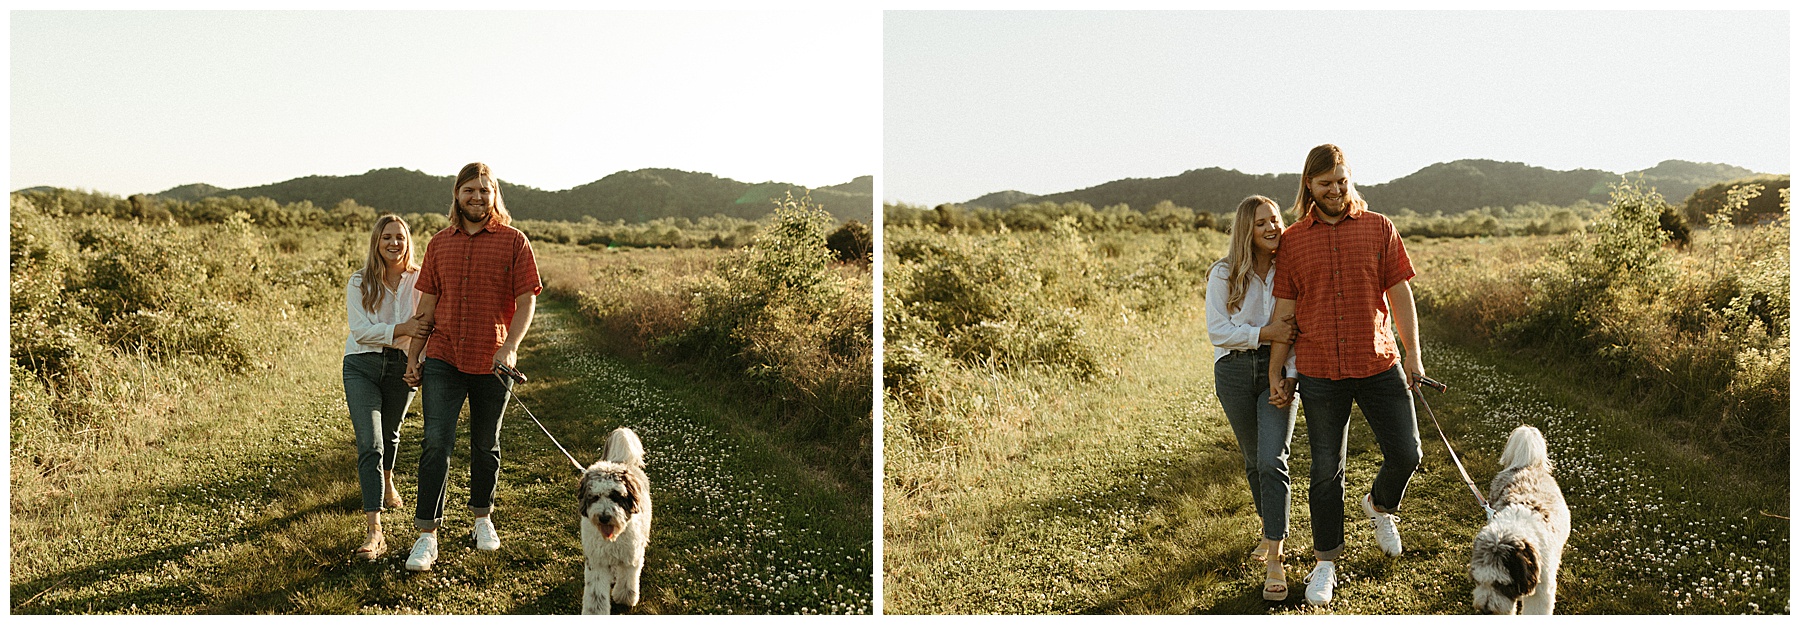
{"x":1261,"y":552}
{"x":1275,"y":586}
{"x":376,"y":545}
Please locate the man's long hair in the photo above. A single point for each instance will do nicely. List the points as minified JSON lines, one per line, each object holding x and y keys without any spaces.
{"x":373,"y":291}
{"x":496,"y":207}
{"x":1319,"y":161}
{"x":1240,"y":260}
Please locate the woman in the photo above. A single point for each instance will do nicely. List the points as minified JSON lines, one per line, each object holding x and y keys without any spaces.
{"x":1239,"y":300}
{"x":380,"y":300}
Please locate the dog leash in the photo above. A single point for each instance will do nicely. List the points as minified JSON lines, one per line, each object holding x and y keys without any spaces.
{"x":511,"y":376}
{"x":1441,"y":387}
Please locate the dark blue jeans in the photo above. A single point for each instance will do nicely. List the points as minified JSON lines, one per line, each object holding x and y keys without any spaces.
{"x":444,"y":389}
{"x":378,"y":398}
{"x":1241,"y":380}
{"x":1388,"y":407}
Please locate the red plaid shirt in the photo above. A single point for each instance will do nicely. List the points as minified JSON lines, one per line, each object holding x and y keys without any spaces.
{"x":476,"y":278}
{"x":1338,"y":276}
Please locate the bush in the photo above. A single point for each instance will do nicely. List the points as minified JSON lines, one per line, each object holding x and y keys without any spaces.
{"x":784,"y":315}
{"x":851,"y":242}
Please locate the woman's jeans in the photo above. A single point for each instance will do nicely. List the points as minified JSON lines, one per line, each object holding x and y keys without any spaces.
{"x":444,"y":389}
{"x":1388,"y":407}
{"x":1263,"y":431}
{"x":377,"y":397}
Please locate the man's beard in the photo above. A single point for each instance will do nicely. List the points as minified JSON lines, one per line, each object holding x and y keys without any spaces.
{"x":1342,"y":207}
{"x":464,"y":211}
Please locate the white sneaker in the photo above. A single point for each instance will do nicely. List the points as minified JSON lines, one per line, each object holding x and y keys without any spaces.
{"x":1320,"y":582}
{"x":1387,"y":535}
{"x":486,"y":539}
{"x":424,"y":552}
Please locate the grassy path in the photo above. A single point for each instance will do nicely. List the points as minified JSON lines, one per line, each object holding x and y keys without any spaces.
{"x":1127,"y":497}
{"x":253,"y":507}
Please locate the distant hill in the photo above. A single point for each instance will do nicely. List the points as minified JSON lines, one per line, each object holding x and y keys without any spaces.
{"x":1451,"y":187}
{"x":632,"y":196}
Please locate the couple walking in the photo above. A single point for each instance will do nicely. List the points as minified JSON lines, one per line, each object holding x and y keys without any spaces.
{"x":465,"y":310}
{"x":1316,"y":324}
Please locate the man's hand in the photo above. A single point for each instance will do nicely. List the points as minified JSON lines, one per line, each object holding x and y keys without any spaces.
{"x":1281,"y":391}
{"x":507,"y":355}
{"x":1413,"y":371}
{"x":412,"y":376}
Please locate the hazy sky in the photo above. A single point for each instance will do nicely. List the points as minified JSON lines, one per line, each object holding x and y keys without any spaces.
{"x":127,"y":102}
{"x":1055,"y":101}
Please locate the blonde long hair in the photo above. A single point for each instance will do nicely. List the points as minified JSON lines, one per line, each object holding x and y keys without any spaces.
{"x":496,"y":212}
{"x":374,"y":267}
{"x":1241,"y":258}
{"x":1320,"y":160}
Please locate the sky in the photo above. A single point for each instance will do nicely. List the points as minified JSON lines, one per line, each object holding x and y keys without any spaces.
{"x":133,"y":102}
{"x":1045,"y":102}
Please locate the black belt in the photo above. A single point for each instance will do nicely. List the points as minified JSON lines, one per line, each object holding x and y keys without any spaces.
{"x":1259,"y":350}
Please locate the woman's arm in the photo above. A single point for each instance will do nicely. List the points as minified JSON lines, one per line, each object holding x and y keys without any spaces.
{"x":363,"y":326}
{"x":1219,"y":327}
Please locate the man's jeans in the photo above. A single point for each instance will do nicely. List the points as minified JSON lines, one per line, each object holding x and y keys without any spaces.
{"x":377,"y":397}
{"x":443,"y":391}
{"x":1388,"y":407}
{"x":1263,"y":431}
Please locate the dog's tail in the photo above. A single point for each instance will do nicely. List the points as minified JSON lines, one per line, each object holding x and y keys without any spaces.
{"x":623,"y":447}
{"x":1524,"y":448}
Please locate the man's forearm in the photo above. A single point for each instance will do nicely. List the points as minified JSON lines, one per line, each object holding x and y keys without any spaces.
{"x":524,"y":306}
{"x":1406,"y":318}
{"x":426,"y":312}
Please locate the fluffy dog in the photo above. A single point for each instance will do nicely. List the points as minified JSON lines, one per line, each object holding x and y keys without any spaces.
{"x":615,"y":523}
{"x":1516,"y":556}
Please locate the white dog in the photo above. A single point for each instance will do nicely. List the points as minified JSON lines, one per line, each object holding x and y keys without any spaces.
{"x":615,"y":523}
{"x":1517,"y":554}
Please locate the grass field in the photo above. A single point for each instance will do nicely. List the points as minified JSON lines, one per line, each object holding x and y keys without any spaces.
{"x":1123,"y":493}
{"x":247,"y":502}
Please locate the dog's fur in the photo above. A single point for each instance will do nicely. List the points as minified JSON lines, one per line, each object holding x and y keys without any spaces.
{"x":1516,"y":556}
{"x":615,"y":523}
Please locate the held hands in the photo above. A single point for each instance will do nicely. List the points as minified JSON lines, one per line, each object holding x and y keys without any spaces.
{"x":1281,"y":391}
{"x":412,"y":376}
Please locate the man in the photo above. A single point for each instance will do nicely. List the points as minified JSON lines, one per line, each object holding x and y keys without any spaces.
{"x":1343,"y":273}
{"x":479,"y":286}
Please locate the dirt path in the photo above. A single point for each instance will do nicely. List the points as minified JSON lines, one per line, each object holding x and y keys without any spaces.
{"x":263,"y":516}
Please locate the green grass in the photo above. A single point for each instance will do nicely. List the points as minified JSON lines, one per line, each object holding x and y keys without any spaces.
{"x":1124,"y":495}
{"x":250,"y":504}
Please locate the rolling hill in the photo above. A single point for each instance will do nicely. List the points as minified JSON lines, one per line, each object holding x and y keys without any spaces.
{"x":632,"y":196}
{"x":1451,"y":187}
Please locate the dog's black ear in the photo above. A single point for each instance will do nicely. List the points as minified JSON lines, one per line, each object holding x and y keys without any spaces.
{"x":584,"y":500}
{"x":637,"y":485}
{"x":1522,"y":566}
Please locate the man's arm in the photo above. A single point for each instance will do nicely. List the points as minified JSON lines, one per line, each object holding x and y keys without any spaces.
{"x":508,"y":353}
{"x":426,"y":313}
{"x":1279,"y":348}
{"x":1406,"y":318}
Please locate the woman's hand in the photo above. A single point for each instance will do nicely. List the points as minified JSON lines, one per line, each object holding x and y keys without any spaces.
{"x":1280,"y":331}
{"x":415,"y":327}
{"x":1281,"y":391}
{"x":412,"y":377}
